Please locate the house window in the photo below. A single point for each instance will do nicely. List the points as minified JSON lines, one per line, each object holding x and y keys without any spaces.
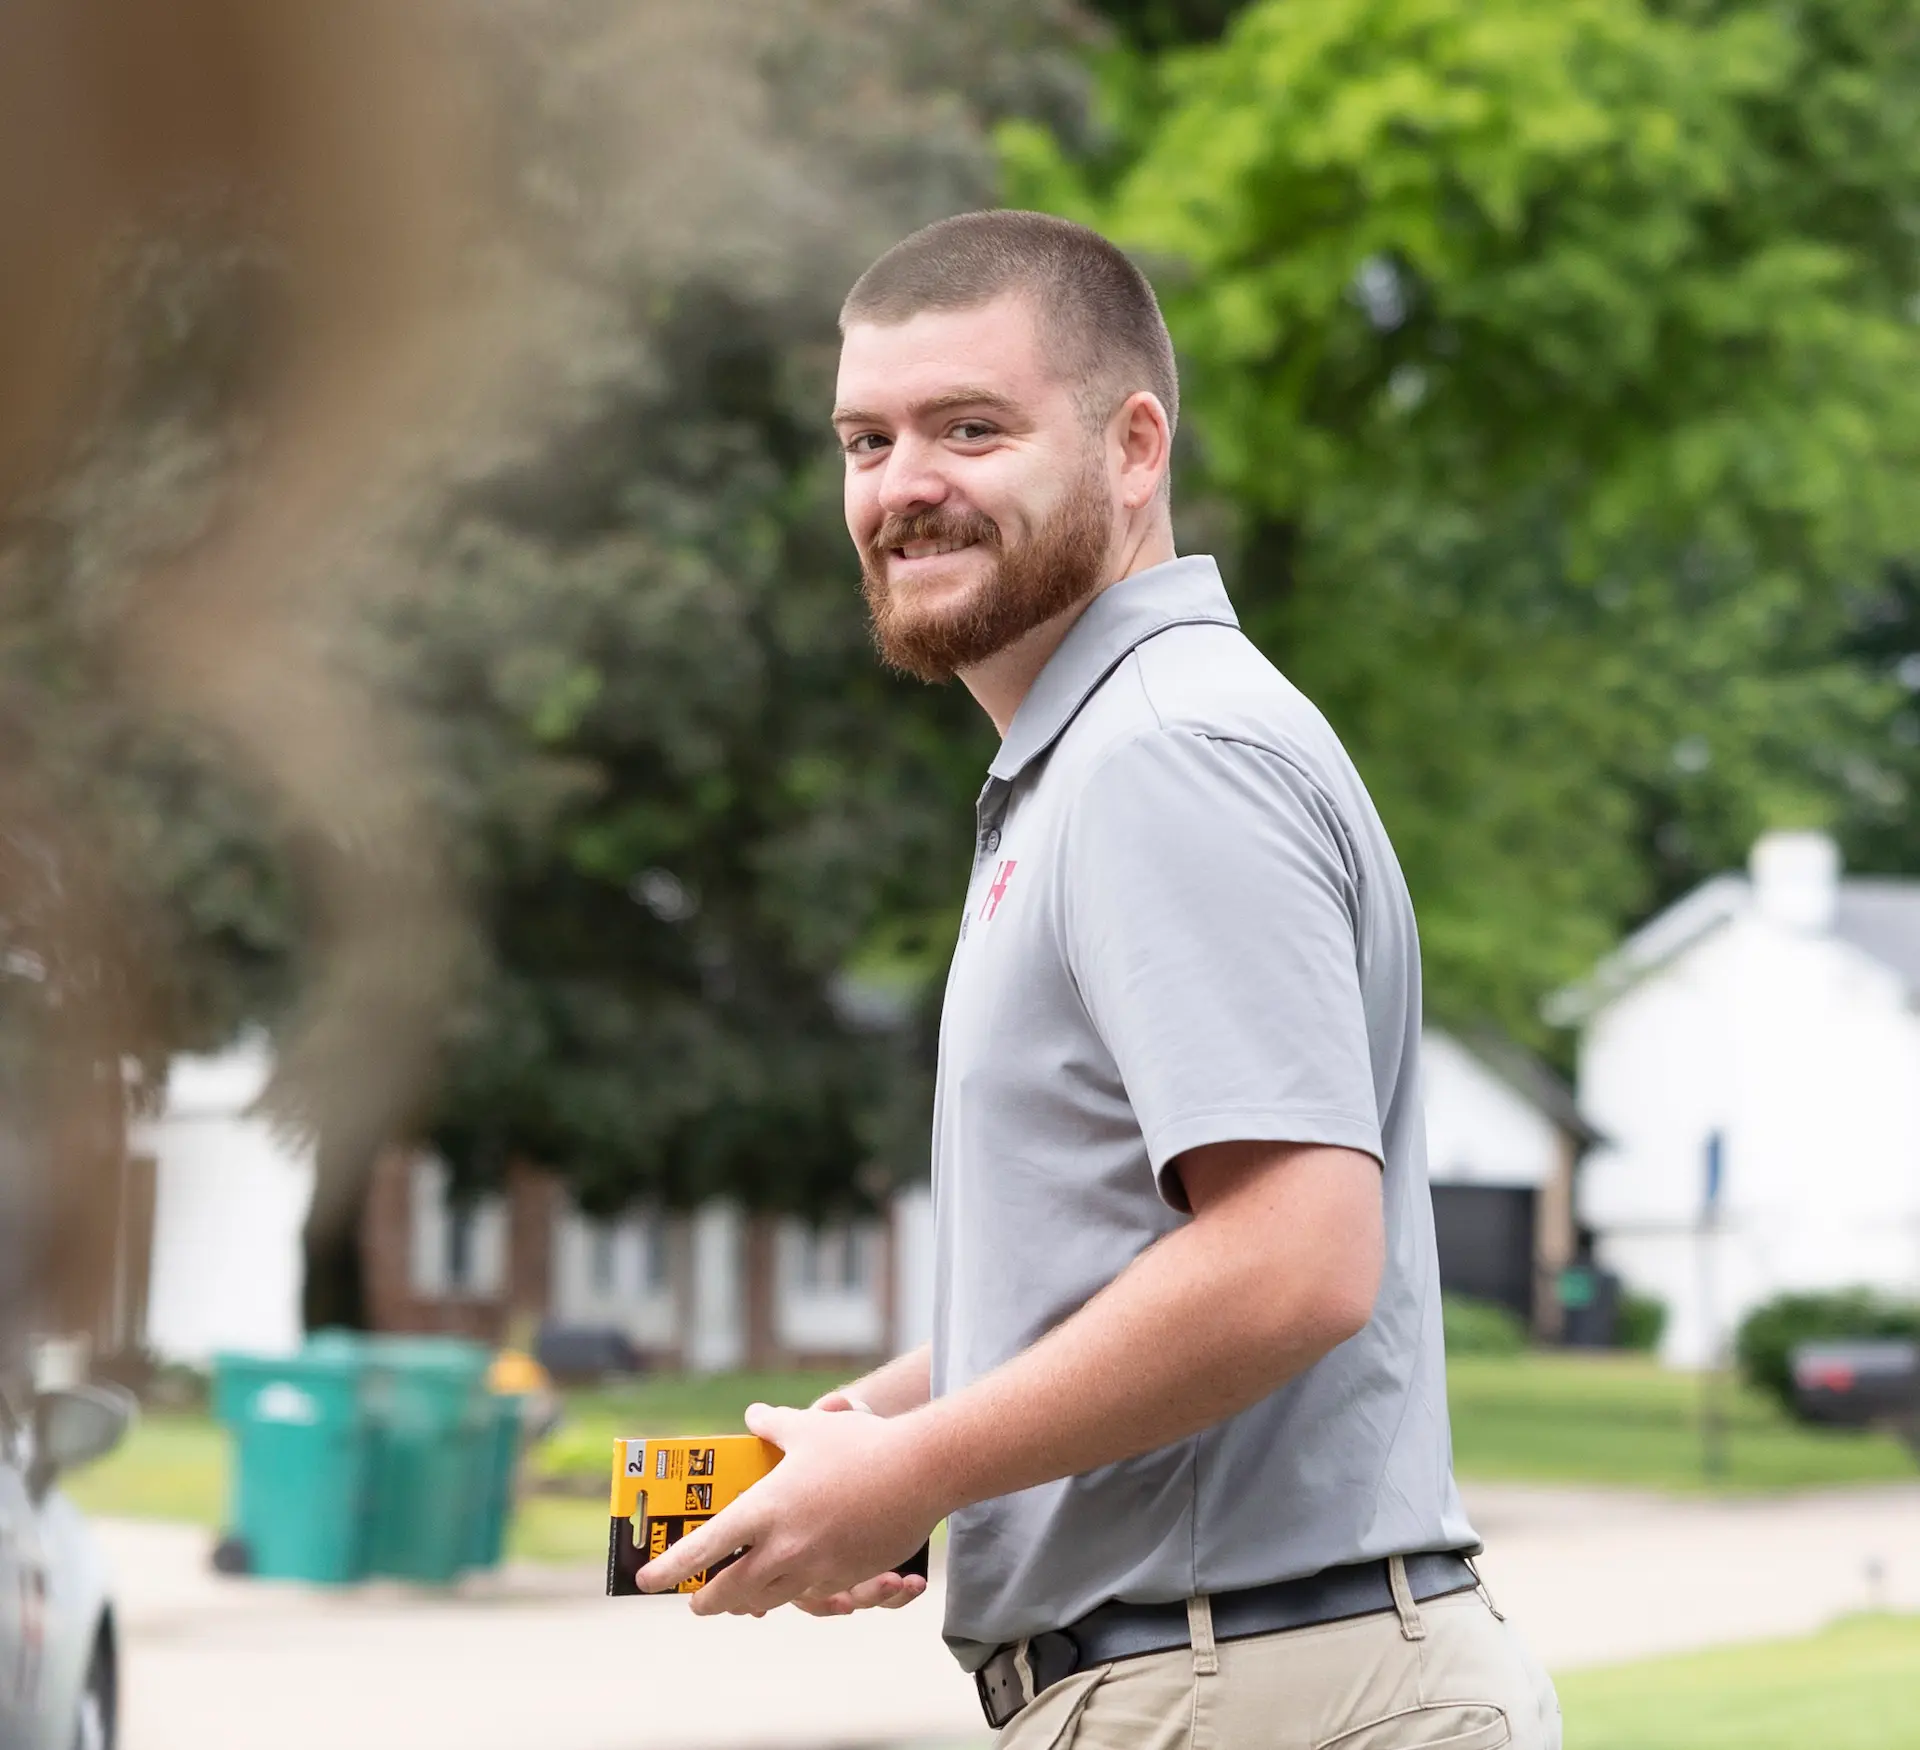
{"x":655,"y":1267}
{"x":833,"y":1259}
{"x":853,"y":1260}
{"x":600,"y":1257}
{"x":460,"y":1247}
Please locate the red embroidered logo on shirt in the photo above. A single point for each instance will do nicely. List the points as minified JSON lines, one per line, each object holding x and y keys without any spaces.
{"x":997,"y":892}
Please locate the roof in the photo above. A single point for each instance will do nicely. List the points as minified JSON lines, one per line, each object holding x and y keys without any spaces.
{"x":1880,"y":915}
{"x":1533,"y":1080}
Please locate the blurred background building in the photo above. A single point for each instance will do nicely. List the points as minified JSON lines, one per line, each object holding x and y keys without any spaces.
{"x":1771,"y":1020}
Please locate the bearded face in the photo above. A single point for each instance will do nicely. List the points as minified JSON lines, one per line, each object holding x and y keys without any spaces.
{"x":931,"y":626}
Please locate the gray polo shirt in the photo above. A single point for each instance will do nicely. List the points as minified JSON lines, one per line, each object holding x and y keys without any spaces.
{"x":1185,"y":926}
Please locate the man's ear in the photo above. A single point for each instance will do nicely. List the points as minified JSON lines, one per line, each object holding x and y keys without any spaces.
{"x":1144,"y":440}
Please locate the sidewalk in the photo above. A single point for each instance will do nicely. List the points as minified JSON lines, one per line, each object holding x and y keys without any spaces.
{"x":538,"y":1658}
{"x":1594,"y":1578}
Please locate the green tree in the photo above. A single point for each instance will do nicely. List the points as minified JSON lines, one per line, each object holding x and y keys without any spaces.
{"x":715,"y":848}
{"x":1560,"y":368}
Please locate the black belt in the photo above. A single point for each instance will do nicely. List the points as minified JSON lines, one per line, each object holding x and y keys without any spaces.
{"x":1128,"y":1631}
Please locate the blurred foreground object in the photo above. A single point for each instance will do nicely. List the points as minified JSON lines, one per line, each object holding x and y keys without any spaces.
{"x":180,"y":565}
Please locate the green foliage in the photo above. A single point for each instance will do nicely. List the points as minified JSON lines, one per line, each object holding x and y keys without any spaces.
{"x":1642,"y":1322}
{"x":1559,"y":366}
{"x":713,"y":845}
{"x":1768,"y":1335}
{"x":1156,"y":25}
{"x":1480,"y":1327}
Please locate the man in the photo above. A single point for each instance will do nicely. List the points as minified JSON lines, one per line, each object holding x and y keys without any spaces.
{"x":1185,"y":1407}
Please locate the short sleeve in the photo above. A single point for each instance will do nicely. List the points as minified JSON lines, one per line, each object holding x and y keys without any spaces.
{"x":1212,"y":913}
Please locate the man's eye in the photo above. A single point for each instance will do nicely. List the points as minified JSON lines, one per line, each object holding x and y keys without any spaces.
{"x":864,"y":443}
{"x":973,"y":431}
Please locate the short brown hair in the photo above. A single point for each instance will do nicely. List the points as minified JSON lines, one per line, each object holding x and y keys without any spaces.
{"x":1097,"y":312}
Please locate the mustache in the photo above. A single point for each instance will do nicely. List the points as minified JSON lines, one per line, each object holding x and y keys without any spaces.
{"x":963,"y":526}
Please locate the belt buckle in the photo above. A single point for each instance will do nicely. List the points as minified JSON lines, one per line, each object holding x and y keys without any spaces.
{"x":1000,"y":1675}
{"x":985,"y":1685}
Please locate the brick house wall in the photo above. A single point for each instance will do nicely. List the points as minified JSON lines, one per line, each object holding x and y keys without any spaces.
{"x":397,"y":1300}
{"x":747,"y":1282}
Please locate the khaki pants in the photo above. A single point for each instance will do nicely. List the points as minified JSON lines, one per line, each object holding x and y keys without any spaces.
{"x":1445,"y":1675}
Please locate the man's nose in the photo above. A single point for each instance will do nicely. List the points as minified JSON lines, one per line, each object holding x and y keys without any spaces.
{"x":910,"y":481}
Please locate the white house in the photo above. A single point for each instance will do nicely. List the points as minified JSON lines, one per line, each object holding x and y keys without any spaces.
{"x":1771,"y":1020}
{"x":230,"y":1197}
{"x":1503,"y":1140}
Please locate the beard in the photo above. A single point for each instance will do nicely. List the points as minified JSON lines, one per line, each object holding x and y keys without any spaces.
{"x":1057,"y":567}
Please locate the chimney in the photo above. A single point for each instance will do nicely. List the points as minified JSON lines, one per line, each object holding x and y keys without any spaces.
{"x":1796,"y":880}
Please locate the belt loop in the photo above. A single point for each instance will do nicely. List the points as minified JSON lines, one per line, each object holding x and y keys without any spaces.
{"x":1206,"y":1656}
{"x":1024,"y":1665}
{"x":1486,"y":1596}
{"x":1411,"y":1627}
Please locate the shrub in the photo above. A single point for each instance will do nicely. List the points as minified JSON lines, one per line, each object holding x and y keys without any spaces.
{"x":1641,"y":1322}
{"x":1765,"y":1344}
{"x":1480,"y":1327}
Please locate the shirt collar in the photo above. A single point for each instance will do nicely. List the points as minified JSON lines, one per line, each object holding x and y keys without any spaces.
{"x":1180,"y":592}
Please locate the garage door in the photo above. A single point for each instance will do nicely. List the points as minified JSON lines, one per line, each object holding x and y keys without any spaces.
{"x":1486,"y":1243}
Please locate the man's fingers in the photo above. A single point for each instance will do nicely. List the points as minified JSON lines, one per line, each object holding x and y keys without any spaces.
{"x":773,"y":1422}
{"x":833,"y":1400}
{"x":748,"y":1588}
{"x":882,"y":1592}
{"x":724,"y":1533}
{"x":910,"y":1588}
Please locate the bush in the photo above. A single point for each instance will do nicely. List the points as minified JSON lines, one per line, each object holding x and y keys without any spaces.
{"x":1641,"y":1322}
{"x":1480,"y":1327}
{"x":1768,"y":1335}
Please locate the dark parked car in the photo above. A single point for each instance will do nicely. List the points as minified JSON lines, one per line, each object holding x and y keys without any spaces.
{"x":1863,"y":1384}
{"x":586,"y":1352}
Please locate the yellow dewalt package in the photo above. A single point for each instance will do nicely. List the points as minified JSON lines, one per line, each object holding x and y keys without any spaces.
{"x":662,"y":1489}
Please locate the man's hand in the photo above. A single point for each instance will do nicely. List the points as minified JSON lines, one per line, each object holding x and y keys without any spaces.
{"x":848,"y":1502}
{"x":883,"y":1591}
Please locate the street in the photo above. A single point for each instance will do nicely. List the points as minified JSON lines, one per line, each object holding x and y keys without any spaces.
{"x":538,"y":1657}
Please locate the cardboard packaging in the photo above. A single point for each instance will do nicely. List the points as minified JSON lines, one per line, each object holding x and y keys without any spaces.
{"x":662,"y":1489}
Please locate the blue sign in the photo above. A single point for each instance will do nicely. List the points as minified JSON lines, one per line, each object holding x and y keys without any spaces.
{"x":1716,"y":1171}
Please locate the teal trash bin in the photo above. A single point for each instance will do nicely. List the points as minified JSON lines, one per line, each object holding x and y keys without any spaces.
{"x":301,"y":1452}
{"x":495,"y":1464}
{"x":431,"y":1418}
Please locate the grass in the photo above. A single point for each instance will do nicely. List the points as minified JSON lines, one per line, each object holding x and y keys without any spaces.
{"x":1854,"y":1687}
{"x":1596,"y":1420}
{"x":173,"y":1466}
{"x":667,"y":1404}
{"x":1622,"y":1421}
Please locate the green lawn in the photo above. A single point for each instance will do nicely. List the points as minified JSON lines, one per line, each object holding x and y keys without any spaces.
{"x":1855,"y":1687}
{"x":582,"y":1448}
{"x":174,"y":1465}
{"x":1624,"y":1422}
{"x":1598,"y":1420}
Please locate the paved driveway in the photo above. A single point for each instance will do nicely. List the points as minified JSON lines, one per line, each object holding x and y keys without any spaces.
{"x":538,"y":1660}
